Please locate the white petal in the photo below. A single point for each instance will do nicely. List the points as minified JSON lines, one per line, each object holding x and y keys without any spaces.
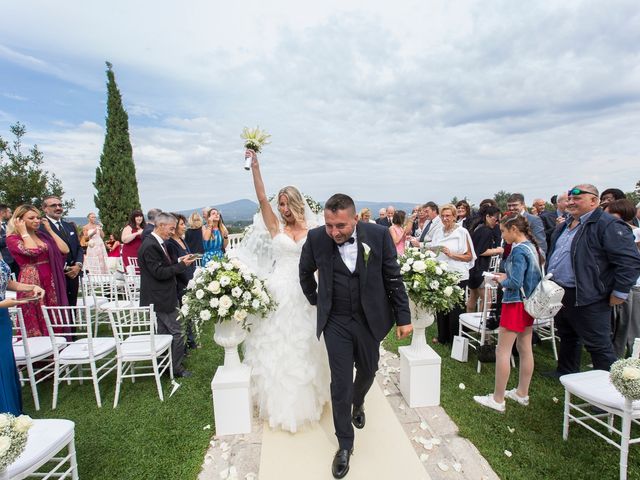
{"x":457,"y":467}
{"x":424,"y":457}
{"x":508,"y":453}
{"x":423,"y":425}
{"x":461,"y":386}
{"x":555,"y":399}
{"x":207,"y":427}
{"x":511,"y":430}
{"x":443,"y":466}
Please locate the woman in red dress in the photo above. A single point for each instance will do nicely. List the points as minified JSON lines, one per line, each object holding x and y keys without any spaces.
{"x":41,"y":260}
{"x":132,"y":236}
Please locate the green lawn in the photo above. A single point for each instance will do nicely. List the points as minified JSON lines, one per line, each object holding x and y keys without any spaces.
{"x":537,"y":446}
{"x":142,"y":438}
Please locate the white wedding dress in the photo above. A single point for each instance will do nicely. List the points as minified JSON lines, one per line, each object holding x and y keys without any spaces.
{"x":290,"y":369}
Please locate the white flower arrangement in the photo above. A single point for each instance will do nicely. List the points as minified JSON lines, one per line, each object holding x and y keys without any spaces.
{"x":225,"y":290}
{"x":13,"y":437}
{"x":313,"y":204}
{"x":429,"y":283}
{"x":625,"y":376}
{"x":254,"y":138}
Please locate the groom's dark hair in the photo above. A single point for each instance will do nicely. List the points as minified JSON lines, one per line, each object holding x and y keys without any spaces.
{"x":340,"y":201}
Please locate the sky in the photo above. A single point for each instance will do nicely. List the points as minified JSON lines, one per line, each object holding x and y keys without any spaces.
{"x":387,"y":101}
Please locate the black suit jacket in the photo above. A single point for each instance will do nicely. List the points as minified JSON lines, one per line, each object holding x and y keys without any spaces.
{"x":146,"y":231}
{"x":383,"y":221}
{"x":4,"y":250}
{"x":70,"y":237}
{"x":382,"y":293}
{"x":158,"y":277}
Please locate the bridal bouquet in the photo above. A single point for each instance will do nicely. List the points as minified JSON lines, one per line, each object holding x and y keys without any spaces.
{"x":225,"y":290}
{"x":254,"y":139}
{"x":13,"y":437}
{"x":625,"y":376}
{"x":314,"y":205}
{"x":429,"y":282}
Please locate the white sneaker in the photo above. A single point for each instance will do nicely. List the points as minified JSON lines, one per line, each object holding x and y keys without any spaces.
{"x":488,"y":401}
{"x":513,"y":395}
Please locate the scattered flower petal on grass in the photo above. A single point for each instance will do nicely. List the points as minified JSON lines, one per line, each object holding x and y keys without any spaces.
{"x":555,"y":399}
{"x":511,"y":430}
{"x":175,"y":386}
{"x":508,"y":453}
{"x":212,"y":443}
{"x":462,"y":386}
{"x":207,"y":427}
{"x":424,"y":457}
{"x":457,"y":467}
{"x":443,"y":466}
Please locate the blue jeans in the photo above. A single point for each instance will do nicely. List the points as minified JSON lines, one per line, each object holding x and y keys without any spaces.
{"x":589,"y":325}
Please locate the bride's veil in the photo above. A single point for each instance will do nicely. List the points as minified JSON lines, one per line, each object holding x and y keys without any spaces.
{"x":256,"y":248}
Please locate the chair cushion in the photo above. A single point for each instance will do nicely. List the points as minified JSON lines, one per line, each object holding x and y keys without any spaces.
{"x":472,"y":321}
{"x":46,"y":438}
{"x":79,"y":349}
{"x":140,"y":345}
{"x":38,"y":347}
{"x":594,"y":386}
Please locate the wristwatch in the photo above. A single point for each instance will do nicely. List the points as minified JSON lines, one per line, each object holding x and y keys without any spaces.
{"x":79,"y":264}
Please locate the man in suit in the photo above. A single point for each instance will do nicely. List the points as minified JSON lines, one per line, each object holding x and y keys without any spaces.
{"x":515,"y":203}
{"x":359,"y":298}
{"x":382,"y":215}
{"x":158,"y":285}
{"x":387,"y":221}
{"x":5,"y":216}
{"x":150,"y":225}
{"x":551,"y":220}
{"x":52,"y":207}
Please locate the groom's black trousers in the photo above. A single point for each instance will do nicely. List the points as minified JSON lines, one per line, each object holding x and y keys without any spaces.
{"x":349,"y":341}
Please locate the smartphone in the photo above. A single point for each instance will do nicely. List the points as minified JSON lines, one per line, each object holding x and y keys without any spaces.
{"x":196,"y":255}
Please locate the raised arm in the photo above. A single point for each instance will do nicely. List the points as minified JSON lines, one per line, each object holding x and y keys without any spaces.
{"x":62,"y":245}
{"x":269,"y":217}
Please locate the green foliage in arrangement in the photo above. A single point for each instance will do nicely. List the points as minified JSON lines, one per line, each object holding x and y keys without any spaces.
{"x":116,"y":185}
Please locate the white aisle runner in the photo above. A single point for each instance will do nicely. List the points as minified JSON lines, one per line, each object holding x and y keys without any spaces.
{"x":382,"y":449}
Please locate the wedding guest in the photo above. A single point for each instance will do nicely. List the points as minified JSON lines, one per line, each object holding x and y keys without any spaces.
{"x":515,"y":203}
{"x":456,"y":250}
{"x":113,"y":246}
{"x":365,"y":216}
{"x":382,"y":215}
{"x":5,"y":215}
{"x":463,"y":212}
{"x":418,"y":226}
{"x":397,"y":230}
{"x":215,"y":237}
{"x":538,"y":206}
{"x":387,"y":220}
{"x":522,"y":271}
{"x":68,"y":232}
{"x":551,"y":219}
{"x":485,"y":247}
{"x":434,"y":227}
{"x":193,"y":235}
{"x":178,"y":248}
{"x":10,"y":397}
{"x":150,"y":225}
{"x":96,"y":256}
{"x":132,"y":237}
{"x":41,"y":257}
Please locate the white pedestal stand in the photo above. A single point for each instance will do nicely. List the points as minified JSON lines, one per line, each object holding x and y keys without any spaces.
{"x":230,"y":386}
{"x":420,"y":364}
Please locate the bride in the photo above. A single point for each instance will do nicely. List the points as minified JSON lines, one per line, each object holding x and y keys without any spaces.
{"x":290,"y":370}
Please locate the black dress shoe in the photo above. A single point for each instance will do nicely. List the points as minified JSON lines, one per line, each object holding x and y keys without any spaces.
{"x":183,"y":374}
{"x":340,"y":466}
{"x":358,"y":417}
{"x":553,"y":374}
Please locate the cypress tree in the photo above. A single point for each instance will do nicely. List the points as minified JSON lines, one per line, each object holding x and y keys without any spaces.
{"x":116,"y":185}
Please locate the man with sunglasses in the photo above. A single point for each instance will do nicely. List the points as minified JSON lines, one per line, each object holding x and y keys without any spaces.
{"x":594,"y":258}
{"x":52,"y":207}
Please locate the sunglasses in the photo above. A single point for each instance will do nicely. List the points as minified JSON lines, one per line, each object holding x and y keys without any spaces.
{"x":577,"y":191}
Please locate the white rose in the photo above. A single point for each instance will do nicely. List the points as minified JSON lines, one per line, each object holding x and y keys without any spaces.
{"x":4,"y":421}
{"x":255,"y":304}
{"x":419,"y":266}
{"x":434,"y":285}
{"x":214,"y":287}
{"x":214,"y":302}
{"x":416,"y":285}
{"x":227,"y":266}
{"x":5,"y":444}
{"x":237,"y":263}
{"x":448,"y":291}
{"x":240,"y":315}
{"x":185,"y":310}
{"x":205,"y":315}
{"x":630,"y":373}
{"x":431,"y":254}
{"x":236,"y":292}
{"x":257,"y":284}
{"x":200,"y":294}
{"x":409,"y":261}
{"x":405,"y":268}
{"x":265,"y":298}
{"x":185,"y":299}
{"x":247,"y":277}
{"x":213,"y":266}
{"x":422,"y":256}
{"x":225,"y":302}
{"x":246,"y":296}
{"x":222,"y":312}
{"x":444,"y":266}
{"x":224,"y":281}
{"x":191,"y":284}
{"x":200,"y":280}
{"x":439,"y":271}
{"x":23,"y":423}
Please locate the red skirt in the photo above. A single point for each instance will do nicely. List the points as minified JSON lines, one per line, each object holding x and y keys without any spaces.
{"x":514,"y":317}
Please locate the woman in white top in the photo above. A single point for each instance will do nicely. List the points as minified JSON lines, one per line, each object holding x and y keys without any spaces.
{"x":456,"y":250}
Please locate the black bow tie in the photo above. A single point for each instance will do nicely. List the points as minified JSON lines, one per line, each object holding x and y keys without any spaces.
{"x":349,"y":240}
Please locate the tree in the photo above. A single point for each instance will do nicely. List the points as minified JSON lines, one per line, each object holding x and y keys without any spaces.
{"x":116,"y":185}
{"x":501,"y":199}
{"x":22,"y":176}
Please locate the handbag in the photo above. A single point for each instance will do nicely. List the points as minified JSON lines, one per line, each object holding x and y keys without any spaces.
{"x":546,"y":299}
{"x":460,"y":348}
{"x":487,"y":353}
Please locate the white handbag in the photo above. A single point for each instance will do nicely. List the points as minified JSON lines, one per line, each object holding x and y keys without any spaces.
{"x":546,"y":299}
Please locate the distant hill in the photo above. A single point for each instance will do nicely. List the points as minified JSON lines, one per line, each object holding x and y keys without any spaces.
{"x":243,"y":210}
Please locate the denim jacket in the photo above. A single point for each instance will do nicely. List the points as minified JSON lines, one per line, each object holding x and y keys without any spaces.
{"x":522,"y":271}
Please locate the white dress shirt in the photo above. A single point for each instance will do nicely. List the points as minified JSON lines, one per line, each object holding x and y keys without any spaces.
{"x":349,"y":253}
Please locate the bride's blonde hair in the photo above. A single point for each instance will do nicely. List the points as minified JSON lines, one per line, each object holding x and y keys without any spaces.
{"x":296,"y":203}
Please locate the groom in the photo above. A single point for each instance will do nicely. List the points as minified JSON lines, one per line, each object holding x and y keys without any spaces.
{"x":359,"y":297}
